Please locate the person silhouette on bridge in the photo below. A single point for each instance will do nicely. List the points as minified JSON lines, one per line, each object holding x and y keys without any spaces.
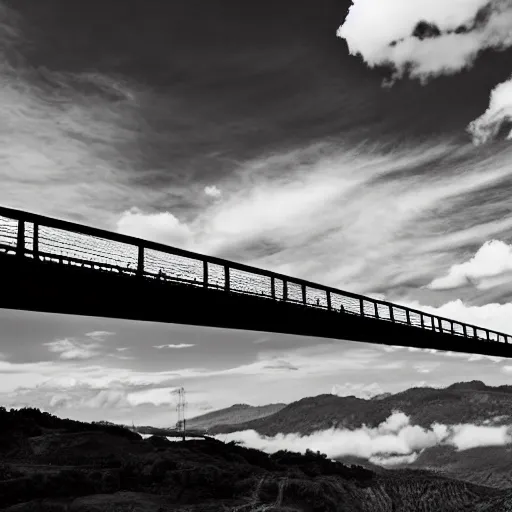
{"x":342,"y":309}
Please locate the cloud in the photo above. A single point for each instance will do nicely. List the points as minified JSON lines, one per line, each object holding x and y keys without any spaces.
{"x":272,"y":222}
{"x":60,"y":400}
{"x":426,"y":37}
{"x":492,"y":316}
{"x":72,"y":132}
{"x":488,"y":125}
{"x":393,"y":441}
{"x":492,"y":259}
{"x":69,"y":348}
{"x":107,"y":399}
{"x":123,"y":358}
{"x":212,"y":191}
{"x":365,"y":391}
{"x":280,"y":364}
{"x":161,"y":227}
{"x":426,"y":367}
{"x":326,"y":359}
{"x":99,"y":335}
{"x":155,"y":396}
{"x":179,"y":345}
{"x":471,"y":436}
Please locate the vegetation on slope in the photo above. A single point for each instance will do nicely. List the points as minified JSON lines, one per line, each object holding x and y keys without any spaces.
{"x":54,"y":464}
{"x":238,"y":413}
{"x":471,"y":402}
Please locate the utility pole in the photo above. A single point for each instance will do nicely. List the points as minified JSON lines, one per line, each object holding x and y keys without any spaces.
{"x":181,"y":411}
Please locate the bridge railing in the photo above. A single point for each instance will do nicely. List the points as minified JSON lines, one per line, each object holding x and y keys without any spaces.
{"x":27,"y":235}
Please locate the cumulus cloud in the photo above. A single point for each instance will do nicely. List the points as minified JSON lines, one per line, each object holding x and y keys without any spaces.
{"x":492,"y":316}
{"x":426,"y":37}
{"x":106,"y":399}
{"x":365,"y":391}
{"x":465,"y":437}
{"x":492,"y":259}
{"x":393,"y":441}
{"x":490,"y":123}
{"x":161,"y":227}
{"x":212,"y":191}
{"x":60,"y":400}
{"x":69,"y":348}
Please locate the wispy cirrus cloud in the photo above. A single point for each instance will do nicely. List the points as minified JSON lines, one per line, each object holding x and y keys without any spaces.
{"x":99,"y":335}
{"x":329,"y":200}
{"x":174,"y":345}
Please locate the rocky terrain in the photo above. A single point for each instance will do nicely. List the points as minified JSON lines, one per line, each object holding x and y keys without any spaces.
{"x":51,"y":464}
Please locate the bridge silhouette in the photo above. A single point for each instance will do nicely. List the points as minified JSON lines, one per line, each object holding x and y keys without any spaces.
{"x":54,"y":266}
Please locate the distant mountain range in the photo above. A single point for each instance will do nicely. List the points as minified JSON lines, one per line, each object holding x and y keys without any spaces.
{"x":463,"y":402}
{"x":472,"y":403}
{"x":234,"y":415}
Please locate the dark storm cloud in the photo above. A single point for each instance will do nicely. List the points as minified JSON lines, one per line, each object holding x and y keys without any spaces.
{"x":218,"y":82}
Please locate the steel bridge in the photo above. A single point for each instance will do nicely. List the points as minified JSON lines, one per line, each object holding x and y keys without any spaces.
{"x":55,"y":266}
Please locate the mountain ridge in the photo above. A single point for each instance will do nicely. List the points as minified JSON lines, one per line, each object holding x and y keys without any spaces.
{"x":461,"y":402}
{"x":237,"y":413}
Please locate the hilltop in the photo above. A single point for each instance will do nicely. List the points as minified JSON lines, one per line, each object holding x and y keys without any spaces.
{"x":51,"y":464}
{"x":463,"y":402}
{"x":234,"y":415}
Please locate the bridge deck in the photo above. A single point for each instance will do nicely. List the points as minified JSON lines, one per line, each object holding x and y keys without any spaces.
{"x":62,"y":267}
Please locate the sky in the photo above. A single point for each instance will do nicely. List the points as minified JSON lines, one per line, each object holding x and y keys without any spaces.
{"x":360,"y":144}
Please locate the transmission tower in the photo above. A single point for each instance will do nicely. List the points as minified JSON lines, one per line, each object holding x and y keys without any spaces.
{"x":181,"y":412}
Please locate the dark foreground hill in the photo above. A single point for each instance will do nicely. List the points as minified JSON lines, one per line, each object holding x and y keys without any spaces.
{"x":57,"y":465}
{"x":467,"y":402}
{"x":238,"y":413}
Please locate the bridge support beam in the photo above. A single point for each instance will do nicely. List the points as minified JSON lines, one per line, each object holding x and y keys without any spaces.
{"x":226,"y":278}
{"x":35,"y":242}
{"x":140,"y":261}
{"x":20,"y":240}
